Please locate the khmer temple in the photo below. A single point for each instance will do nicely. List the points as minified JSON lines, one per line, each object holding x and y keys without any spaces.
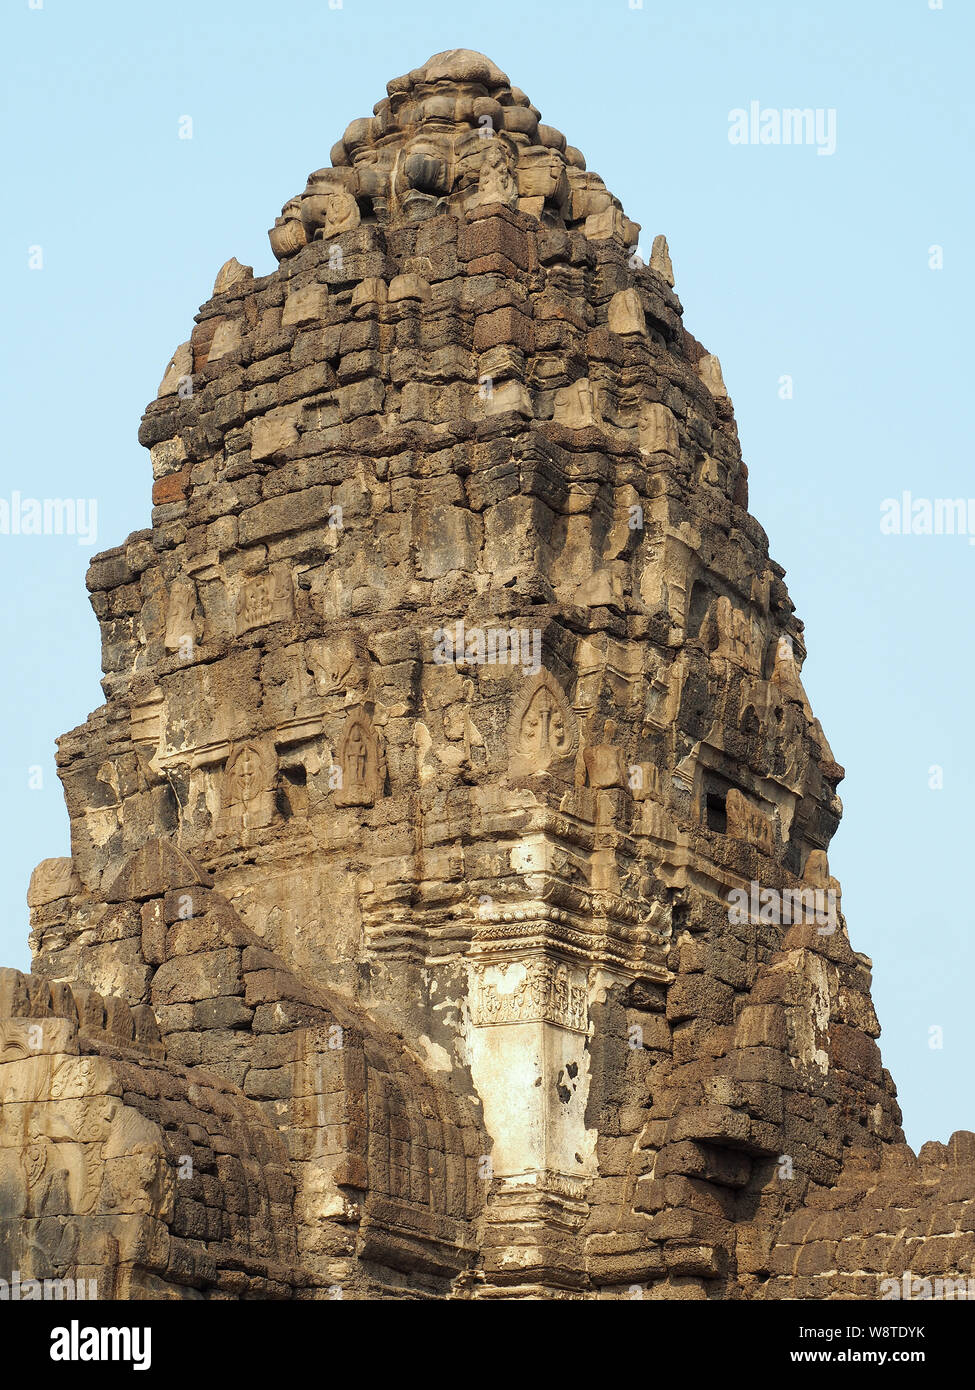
{"x":448,"y":913}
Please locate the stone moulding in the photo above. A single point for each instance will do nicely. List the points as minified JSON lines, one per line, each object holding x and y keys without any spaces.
{"x":430,"y":968}
{"x":545,"y":993}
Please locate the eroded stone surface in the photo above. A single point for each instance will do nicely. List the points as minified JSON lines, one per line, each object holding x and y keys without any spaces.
{"x":450,"y":697}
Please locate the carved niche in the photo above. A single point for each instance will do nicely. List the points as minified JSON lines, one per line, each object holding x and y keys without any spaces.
{"x":496,"y":182}
{"x":264,"y":598}
{"x":543,"y":728}
{"x":361,"y":772}
{"x":182,"y":622}
{"x":247,"y":802}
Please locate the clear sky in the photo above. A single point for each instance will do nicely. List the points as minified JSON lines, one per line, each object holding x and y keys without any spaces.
{"x":789,"y":263}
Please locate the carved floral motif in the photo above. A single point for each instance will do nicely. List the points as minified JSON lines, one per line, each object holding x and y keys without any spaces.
{"x":544,"y":992}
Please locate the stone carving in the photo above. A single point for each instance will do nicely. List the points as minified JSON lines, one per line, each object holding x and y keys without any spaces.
{"x":541,"y":174}
{"x":576,"y":406}
{"x":531,"y":990}
{"x":425,"y":148}
{"x":288,"y":234}
{"x":709,"y":369}
{"x":424,"y":176}
{"x":496,"y":181}
{"x":52,"y":879}
{"x":409,"y":286}
{"x":508,"y":395}
{"x":307,"y":305}
{"x":737,"y":639}
{"x":232,"y":273}
{"x":660,"y":260}
{"x":328,"y":206}
{"x":785,"y":674}
{"x":626,"y":314}
{"x":183,"y":626}
{"x":336,"y":664}
{"x":247,"y":801}
{"x":226,"y":339}
{"x":178,"y":371}
{"x":372,"y":290}
{"x":434,"y":426}
{"x":263,"y":599}
{"x":256,"y":602}
{"x":360,"y":764}
{"x":746,"y":822}
{"x":543,"y":727}
{"x":657,"y":429}
{"x":426,"y":167}
{"x":44,"y":1133}
{"x":783,"y":724}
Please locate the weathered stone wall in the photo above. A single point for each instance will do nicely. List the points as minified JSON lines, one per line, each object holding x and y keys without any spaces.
{"x":453,"y":710}
{"x":119,"y":1166}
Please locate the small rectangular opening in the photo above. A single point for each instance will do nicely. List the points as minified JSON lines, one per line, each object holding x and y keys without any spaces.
{"x":716,"y":813}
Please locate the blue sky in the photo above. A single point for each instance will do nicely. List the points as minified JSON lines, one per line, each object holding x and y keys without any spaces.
{"x":788,"y":263}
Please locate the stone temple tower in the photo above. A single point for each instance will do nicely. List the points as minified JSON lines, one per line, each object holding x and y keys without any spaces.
{"x":448,"y":912}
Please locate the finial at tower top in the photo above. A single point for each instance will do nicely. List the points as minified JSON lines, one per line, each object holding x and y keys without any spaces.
{"x":451,"y":135}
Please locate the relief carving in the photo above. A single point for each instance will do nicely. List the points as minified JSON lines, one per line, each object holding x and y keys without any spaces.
{"x":247,"y":802}
{"x":736,"y":636}
{"x":53,"y":879}
{"x":328,"y":206}
{"x":657,"y":429}
{"x":785,"y":674}
{"x":543,"y":728}
{"x":746,"y":822}
{"x":288,"y":234}
{"x":496,"y":182}
{"x":335,"y":663}
{"x":541,"y":174}
{"x":182,"y":624}
{"x":43,"y":1138}
{"x":423,"y":177}
{"x":264,"y":598}
{"x":537,"y":990}
{"x":361,"y":772}
{"x":577,"y":406}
